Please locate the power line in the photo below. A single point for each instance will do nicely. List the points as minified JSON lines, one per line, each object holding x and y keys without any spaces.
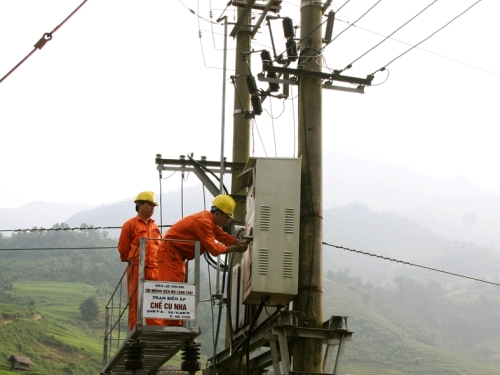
{"x":196,"y":14}
{"x":63,"y":248}
{"x":423,"y":49}
{"x":434,"y":33}
{"x":56,"y":229}
{"x":258,"y":133}
{"x":409,"y":264}
{"x":352,"y":24}
{"x":391,"y":34}
{"x":35,"y":229}
{"x":338,"y":9}
{"x":272,"y":126}
{"x":43,"y":40}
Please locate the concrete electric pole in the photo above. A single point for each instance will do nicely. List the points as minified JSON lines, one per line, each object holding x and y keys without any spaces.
{"x":307,"y":352}
{"x":241,"y":122}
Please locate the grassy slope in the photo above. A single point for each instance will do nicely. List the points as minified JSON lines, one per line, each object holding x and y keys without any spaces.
{"x":380,"y":346}
{"x":59,"y":342}
{"x":55,"y":338}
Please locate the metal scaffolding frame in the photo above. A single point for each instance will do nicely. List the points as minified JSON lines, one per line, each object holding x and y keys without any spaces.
{"x":159,"y":343}
{"x":275,"y":337}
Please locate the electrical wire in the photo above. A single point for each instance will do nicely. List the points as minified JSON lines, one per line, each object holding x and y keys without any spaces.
{"x":253,"y":139}
{"x":35,"y":229}
{"x":338,"y":9}
{"x":258,"y":133}
{"x":246,"y":343}
{"x":294,"y":124}
{"x":409,"y":264}
{"x":348,"y":66}
{"x":170,"y":175}
{"x":43,"y":40}
{"x":384,"y":81}
{"x":212,"y":25}
{"x":272,"y":126}
{"x":277,"y":117}
{"x":196,"y":14}
{"x":224,"y":11}
{"x":426,"y":50}
{"x":62,"y":248}
{"x":351,"y":25}
{"x":434,"y":33}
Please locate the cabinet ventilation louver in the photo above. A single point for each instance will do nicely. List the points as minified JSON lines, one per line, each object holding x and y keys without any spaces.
{"x":289,"y":220}
{"x":287,"y":264}
{"x":263,"y":261}
{"x":265,"y":217}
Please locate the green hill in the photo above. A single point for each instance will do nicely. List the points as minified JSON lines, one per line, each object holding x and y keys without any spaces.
{"x":402,"y":325}
{"x":413,"y":328}
{"x":53,"y":334}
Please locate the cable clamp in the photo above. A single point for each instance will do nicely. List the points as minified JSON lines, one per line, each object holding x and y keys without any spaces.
{"x":307,"y":213}
{"x":44,"y":39}
{"x":311,"y":287}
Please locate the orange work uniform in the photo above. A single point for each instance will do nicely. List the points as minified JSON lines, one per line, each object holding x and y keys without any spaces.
{"x":172,"y":254}
{"x":128,"y":246}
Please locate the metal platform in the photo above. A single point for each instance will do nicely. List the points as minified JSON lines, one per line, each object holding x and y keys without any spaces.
{"x":159,"y":343}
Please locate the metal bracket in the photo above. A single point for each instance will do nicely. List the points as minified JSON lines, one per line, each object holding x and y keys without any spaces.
{"x":311,"y":3}
{"x":199,"y":168}
{"x":335,"y":76}
{"x":291,"y":81}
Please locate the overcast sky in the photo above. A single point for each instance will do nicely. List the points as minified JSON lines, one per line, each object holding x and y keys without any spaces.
{"x":83,"y":118}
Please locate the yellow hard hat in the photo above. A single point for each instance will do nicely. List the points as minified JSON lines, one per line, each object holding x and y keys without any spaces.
{"x":147,"y":196}
{"x":225,"y":203}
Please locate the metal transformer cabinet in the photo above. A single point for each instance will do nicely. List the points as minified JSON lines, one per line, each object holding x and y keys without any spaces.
{"x":270,"y":266}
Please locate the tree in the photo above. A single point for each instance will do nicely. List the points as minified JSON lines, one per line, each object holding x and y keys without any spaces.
{"x":89,"y":309}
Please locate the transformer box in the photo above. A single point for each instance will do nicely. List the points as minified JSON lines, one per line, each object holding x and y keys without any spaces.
{"x":269,"y":270}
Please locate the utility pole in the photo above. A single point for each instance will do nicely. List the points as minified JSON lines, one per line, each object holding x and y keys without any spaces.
{"x":241,"y":120}
{"x":307,"y":352}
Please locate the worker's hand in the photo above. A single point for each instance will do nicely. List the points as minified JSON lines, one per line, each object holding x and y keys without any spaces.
{"x":245,"y":242}
{"x":237,"y":247}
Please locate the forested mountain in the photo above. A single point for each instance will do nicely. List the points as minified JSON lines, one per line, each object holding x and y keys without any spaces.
{"x":357,"y":227}
{"x":95,"y":260}
{"x":415,"y":327}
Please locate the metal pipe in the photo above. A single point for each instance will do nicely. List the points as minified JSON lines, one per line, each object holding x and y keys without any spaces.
{"x":140,"y":284}
{"x":223,"y":120}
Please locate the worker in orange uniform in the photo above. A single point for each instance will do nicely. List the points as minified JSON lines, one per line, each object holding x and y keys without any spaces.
{"x":204,"y":226}
{"x":133,"y":230}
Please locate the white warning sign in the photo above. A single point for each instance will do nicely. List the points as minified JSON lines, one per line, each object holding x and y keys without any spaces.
{"x":168,"y":300}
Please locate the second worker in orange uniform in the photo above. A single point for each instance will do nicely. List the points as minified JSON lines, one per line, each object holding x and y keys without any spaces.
{"x":204,"y":226}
